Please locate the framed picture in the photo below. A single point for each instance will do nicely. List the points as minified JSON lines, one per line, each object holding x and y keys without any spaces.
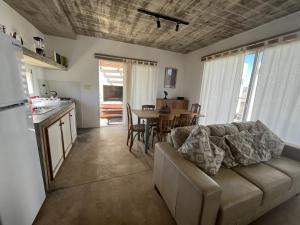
{"x":170,"y":77}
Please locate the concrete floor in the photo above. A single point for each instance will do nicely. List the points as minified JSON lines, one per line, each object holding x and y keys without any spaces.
{"x":102,"y":183}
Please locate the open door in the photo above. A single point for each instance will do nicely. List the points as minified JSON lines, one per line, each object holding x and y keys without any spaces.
{"x":111,"y":75}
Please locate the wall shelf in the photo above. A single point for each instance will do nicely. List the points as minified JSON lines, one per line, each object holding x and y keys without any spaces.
{"x":35,"y":59}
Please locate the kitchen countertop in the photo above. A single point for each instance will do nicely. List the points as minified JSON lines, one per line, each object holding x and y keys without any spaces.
{"x":37,"y":119}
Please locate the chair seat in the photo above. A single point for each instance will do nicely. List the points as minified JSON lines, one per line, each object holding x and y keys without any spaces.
{"x":138,"y":127}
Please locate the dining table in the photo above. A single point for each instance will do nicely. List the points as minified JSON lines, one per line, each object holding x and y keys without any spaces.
{"x":149,"y":115}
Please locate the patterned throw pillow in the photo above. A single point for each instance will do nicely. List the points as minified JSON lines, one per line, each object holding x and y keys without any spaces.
{"x":221,"y":130}
{"x":179,"y":135}
{"x":272,"y":141}
{"x":249,"y":148}
{"x":198,"y":149}
{"x":244,"y":125}
{"x":228,"y":160}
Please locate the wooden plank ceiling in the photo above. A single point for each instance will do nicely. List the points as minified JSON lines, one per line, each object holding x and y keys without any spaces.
{"x":210,"y":20}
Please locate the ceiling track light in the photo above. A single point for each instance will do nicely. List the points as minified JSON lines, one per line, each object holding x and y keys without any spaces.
{"x":177,"y":27}
{"x":165,"y":17}
{"x":158,"y":22}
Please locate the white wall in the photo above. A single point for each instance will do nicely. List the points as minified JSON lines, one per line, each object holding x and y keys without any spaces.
{"x":194,"y":66}
{"x":16,"y":23}
{"x":83,"y":68}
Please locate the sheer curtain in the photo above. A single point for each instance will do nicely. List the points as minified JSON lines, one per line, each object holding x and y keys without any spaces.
{"x":140,"y":85}
{"x":277,"y":97}
{"x":220,"y":88}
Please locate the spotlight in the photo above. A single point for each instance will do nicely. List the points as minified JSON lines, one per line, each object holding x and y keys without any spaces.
{"x":158,"y":22}
{"x":177,"y":27}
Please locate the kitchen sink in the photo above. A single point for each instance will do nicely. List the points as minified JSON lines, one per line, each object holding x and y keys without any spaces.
{"x":42,"y":110}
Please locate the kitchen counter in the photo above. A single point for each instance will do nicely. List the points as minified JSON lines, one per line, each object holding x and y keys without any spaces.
{"x":64,"y":105}
{"x":54,"y":120}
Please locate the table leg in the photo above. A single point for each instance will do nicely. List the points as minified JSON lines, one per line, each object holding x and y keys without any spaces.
{"x":147,"y":136}
{"x":139,"y":122}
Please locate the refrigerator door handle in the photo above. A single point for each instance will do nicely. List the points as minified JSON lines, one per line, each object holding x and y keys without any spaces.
{"x":18,"y":104}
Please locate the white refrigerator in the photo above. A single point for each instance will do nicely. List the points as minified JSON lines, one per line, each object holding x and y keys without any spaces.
{"x":21,"y":183}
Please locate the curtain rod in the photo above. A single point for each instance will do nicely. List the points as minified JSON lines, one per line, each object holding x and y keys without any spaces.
{"x":121,"y":59}
{"x":271,"y":41}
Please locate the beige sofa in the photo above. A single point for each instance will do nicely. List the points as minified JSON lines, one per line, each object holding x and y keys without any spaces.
{"x":234,"y":196}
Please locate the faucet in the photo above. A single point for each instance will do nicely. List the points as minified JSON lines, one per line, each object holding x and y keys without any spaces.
{"x":54,"y":95}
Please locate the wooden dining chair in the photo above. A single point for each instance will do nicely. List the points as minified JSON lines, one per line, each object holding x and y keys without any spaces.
{"x":185,"y":120}
{"x":165,"y":125}
{"x":133,"y":128}
{"x":195,"y":108}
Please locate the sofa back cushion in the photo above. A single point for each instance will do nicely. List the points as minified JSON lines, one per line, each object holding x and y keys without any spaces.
{"x":198,"y":149}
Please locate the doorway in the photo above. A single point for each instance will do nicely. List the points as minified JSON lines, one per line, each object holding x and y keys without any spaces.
{"x":111,"y":74}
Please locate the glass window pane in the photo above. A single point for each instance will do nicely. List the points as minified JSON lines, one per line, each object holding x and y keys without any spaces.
{"x":253,"y":87}
{"x":246,"y":78}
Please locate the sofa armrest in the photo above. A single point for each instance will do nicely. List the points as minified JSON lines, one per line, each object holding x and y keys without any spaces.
{"x":291,"y":151}
{"x":192,"y":197}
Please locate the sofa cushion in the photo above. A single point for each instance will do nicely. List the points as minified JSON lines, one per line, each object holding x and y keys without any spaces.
{"x":272,"y":141}
{"x":228,"y":160}
{"x":198,"y":149}
{"x":221,"y":130}
{"x":289,"y":167}
{"x":244,"y":125}
{"x":271,"y":181}
{"x":239,"y":197}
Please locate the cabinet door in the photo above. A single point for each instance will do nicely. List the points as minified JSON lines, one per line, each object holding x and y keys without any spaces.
{"x":66,"y":131}
{"x":73,"y":125}
{"x":56,"y":147}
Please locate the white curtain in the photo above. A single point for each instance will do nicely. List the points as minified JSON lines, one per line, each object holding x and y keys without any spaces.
{"x":220,"y":88}
{"x":140,"y":81}
{"x":277,"y":97}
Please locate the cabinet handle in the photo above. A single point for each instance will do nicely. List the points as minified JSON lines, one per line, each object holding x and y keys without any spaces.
{"x":62,"y":123}
{"x":70,"y":115}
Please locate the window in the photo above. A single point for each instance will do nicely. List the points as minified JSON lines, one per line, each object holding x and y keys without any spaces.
{"x":266,"y":88}
{"x":244,"y":107}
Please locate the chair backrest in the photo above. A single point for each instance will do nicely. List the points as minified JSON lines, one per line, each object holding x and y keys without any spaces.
{"x":185,"y":120}
{"x":166,"y":123}
{"x":148,"y":107}
{"x":129,"y":115}
{"x":196,"y":108}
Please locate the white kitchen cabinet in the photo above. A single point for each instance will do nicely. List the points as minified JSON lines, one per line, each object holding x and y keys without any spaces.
{"x":66,"y":133}
{"x":56,"y":146}
{"x":73,"y":125}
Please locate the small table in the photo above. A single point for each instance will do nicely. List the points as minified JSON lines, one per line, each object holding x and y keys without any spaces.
{"x":148,"y":115}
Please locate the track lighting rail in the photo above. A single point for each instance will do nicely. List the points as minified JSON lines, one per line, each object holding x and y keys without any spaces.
{"x":165,"y":17}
